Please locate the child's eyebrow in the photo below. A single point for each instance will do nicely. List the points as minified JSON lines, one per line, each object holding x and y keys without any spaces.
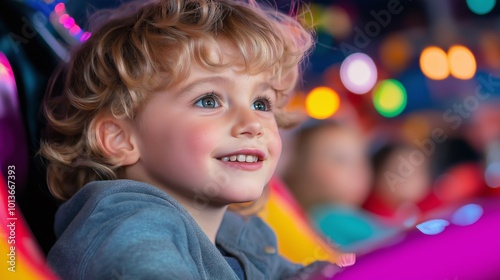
{"x":200,"y":82}
{"x":213,"y":80}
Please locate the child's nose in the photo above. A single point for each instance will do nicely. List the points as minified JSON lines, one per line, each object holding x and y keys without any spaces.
{"x":246,"y":123}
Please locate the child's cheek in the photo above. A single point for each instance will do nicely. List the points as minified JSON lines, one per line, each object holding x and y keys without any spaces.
{"x":274,"y":142}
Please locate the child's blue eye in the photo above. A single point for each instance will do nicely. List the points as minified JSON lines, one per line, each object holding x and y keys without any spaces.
{"x":208,"y":101}
{"x":262,"y":104}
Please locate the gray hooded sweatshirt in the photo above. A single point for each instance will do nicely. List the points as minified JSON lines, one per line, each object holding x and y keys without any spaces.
{"x":124,"y":229}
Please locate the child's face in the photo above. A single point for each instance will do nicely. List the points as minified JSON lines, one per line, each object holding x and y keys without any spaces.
{"x":211,"y":139}
{"x":338,"y":166}
{"x":411,"y":187}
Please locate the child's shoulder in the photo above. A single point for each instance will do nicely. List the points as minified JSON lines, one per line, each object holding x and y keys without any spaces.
{"x":110,"y":223}
{"x":117,"y":204}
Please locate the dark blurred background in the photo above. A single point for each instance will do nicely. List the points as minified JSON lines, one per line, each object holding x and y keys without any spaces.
{"x":405,"y":70}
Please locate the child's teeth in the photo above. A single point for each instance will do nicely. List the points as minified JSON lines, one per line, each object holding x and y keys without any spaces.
{"x":241,"y":158}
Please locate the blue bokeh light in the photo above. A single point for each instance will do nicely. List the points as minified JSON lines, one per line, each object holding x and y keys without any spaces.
{"x":433,"y":227}
{"x":467,"y":215}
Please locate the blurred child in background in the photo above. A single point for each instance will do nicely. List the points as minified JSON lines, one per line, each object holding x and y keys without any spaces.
{"x":484,"y":135}
{"x":401,"y":180}
{"x":330,"y":176}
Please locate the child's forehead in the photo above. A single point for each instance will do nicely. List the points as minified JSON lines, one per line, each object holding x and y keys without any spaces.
{"x":226,"y":52}
{"x":224,"y":59}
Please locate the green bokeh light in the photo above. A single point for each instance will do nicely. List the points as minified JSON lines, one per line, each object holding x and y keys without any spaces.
{"x":389,"y":98}
{"x":481,"y":7}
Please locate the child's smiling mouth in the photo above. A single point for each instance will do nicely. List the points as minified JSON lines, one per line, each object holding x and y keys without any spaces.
{"x":241,"y":158}
{"x":247,"y":159}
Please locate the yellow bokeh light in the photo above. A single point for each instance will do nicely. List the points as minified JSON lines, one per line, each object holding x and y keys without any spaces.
{"x":311,"y":15}
{"x":434,"y":63}
{"x":462,"y":62}
{"x":322,"y":102}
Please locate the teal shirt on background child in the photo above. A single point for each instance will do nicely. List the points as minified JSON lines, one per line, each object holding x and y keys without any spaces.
{"x":351,"y":229}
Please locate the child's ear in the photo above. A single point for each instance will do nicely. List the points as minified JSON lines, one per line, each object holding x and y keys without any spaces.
{"x":116,"y":141}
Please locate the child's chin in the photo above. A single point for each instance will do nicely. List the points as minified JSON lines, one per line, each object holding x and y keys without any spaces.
{"x":246,"y":195}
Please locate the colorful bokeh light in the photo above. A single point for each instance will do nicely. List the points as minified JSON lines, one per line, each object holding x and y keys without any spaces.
{"x":358,"y":73}
{"x":467,"y":215}
{"x":3,"y":70}
{"x":60,"y":16}
{"x":322,"y":102}
{"x":311,"y":15}
{"x":462,"y":62}
{"x":7,"y":85}
{"x":434,"y":63}
{"x":395,"y":53}
{"x":481,"y":7}
{"x":6,"y":73}
{"x":60,"y":8}
{"x":389,"y":98}
{"x":433,"y":227}
{"x":73,"y":31}
{"x":63,"y":18}
{"x":336,"y":21}
{"x":69,"y":22}
{"x":85,"y":36}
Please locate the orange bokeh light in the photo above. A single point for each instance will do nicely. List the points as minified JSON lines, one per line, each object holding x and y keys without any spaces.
{"x":395,"y":53}
{"x":462,"y":62}
{"x":434,"y":63}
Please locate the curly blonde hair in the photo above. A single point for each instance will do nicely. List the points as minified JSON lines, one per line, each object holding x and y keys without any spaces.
{"x":143,"y":47}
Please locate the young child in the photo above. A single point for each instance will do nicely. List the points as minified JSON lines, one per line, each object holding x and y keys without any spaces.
{"x":330,"y":177}
{"x":331,"y":159}
{"x":169,"y":114}
{"x":402,"y":180}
